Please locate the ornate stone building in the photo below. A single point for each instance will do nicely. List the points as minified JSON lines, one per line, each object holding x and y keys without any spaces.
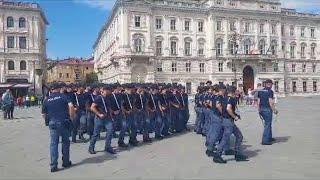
{"x":240,"y":42}
{"x":22,"y":46}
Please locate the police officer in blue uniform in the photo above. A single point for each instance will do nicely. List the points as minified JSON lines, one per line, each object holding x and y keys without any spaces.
{"x":59,"y":110}
{"x":266,"y":109}
{"x":102,"y":109}
{"x":185,"y":107}
{"x":165,"y":111}
{"x":80,"y":122}
{"x":198,"y":110}
{"x":91,"y":95}
{"x":229,"y":127}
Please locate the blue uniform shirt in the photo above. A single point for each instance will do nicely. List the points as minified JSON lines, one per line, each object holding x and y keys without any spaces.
{"x":56,"y":107}
{"x":103,"y":105}
{"x":264,"y":96}
{"x":214,"y":99}
{"x":80,"y":101}
{"x":229,"y":101}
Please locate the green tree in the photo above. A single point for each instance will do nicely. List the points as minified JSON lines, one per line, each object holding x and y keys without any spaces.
{"x":92,"y":78}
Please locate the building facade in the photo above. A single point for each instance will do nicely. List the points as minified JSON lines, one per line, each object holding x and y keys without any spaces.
{"x":22,"y":46}
{"x":69,"y":70}
{"x":240,"y":42}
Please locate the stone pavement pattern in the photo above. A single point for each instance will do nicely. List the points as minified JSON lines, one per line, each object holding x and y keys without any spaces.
{"x":24,"y":152}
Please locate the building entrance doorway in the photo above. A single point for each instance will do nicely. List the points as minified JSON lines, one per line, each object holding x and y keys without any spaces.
{"x":139,"y":74}
{"x":248,"y":78}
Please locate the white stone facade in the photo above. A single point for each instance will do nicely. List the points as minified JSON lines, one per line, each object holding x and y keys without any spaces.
{"x":22,"y":44}
{"x":189,"y":42}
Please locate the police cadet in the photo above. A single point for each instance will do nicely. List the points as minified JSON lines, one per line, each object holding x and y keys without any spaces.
{"x":59,"y":110}
{"x":129,"y":113}
{"x":164,"y":110}
{"x":176,"y":108}
{"x":153,"y":111}
{"x":198,"y":110}
{"x":266,"y":108}
{"x":102,"y":109}
{"x":229,"y":128}
{"x":205,"y":109}
{"x":185,"y":110}
{"x":91,"y":95}
{"x":80,"y":122}
{"x":215,"y":123}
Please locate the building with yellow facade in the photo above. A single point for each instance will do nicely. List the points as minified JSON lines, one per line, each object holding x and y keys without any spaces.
{"x":69,"y":70}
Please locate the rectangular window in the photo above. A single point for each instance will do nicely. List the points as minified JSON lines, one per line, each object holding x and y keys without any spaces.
{"x":233,"y":67}
{"x":304,"y":67}
{"x":159,"y":48}
{"x":293,"y":68}
{"x":314,"y":68}
{"x":291,"y":30}
{"x":187,"y":25}
{"x":247,"y":27}
{"x":276,"y":67}
{"x":232,"y":26}
{"x":174,"y":67}
{"x":282,"y":30}
{"x":60,"y":75}
{"x":201,"y":49}
{"x":273,"y":28}
{"x":219,"y":26}
{"x":67,"y":75}
{"x":292,"y":51}
{"x":315,"y":88}
{"x":173,"y":47}
{"x":263,"y":67}
{"x":294,"y":86}
{"x":22,"y":42}
{"x":172,"y":24}
{"x":158,"y":23}
{"x":304,"y":86}
{"x":188,"y":87}
{"x":302,"y":31}
{"x":312,"y":32}
{"x":137,"y":21}
{"x":220,"y":67}
{"x":10,"y":42}
{"x":188,"y":67}
{"x":200,"y":26}
{"x":276,"y":86}
{"x":202,"y":68}
{"x":159,"y":67}
{"x":187,"y":48}
{"x":261,"y":28}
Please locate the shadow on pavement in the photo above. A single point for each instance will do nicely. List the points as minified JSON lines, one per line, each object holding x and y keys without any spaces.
{"x":283,"y":139}
{"x":250,"y":153}
{"x":96,"y":159}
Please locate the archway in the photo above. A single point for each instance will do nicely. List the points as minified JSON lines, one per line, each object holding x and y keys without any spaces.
{"x":248,"y":78}
{"x":139,"y":74}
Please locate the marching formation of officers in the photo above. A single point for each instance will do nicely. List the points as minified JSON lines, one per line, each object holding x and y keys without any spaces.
{"x":76,"y":110}
{"x":162,"y":109}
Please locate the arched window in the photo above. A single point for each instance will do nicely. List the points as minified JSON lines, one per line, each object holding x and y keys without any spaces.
{"x":219,"y":47}
{"x":233,"y":48}
{"x":303,"y":50}
{"x":10,"y":22}
{"x":173,"y":45}
{"x":23,"y":65}
{"x":201,"y":45}
{"x":138,"y":41}
{"x":187,"y":46}
{"x":22,"y":22}
{"x":292,"y":49}
{"x":159,"y":40}
{"x":247,"y":46}
{"x":262,"y":47}
{"x":273,"y":47}
{"x":10,"y":65}
{"x":313,"y":49}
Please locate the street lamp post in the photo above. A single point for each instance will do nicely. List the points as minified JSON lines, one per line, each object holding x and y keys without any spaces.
{"x":234,"y":38}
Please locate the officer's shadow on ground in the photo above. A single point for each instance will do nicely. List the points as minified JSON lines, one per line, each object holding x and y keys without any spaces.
{"x":250,"y":153}
{"x":96,"y":159}
{"x":283,"y":139}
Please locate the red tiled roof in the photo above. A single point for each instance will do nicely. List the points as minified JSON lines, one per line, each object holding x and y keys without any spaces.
{"x":76,"y":61}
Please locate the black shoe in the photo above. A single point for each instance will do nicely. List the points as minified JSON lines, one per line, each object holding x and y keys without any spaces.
{"x":267,"y":143}
{"x":110,"y":150}
{"x":92,"y":151}
{"x":133,"y":143}
{"x":74,"y":141}
{"x":229,"y":152}
{"x":159,"y":137}
{"x":209,"y":153}
{"x":203,"y":134}
{"x":54,"y":169}
{"x":122,"y":145}
{"x":81,"y":137}
{"x":69,"y":164}
{"x":241,"y":157}
{"x":218,"y":159}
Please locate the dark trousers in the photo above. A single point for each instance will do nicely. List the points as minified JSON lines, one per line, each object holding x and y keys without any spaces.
{"x":98,"y":124}
{"x":79,"y":124}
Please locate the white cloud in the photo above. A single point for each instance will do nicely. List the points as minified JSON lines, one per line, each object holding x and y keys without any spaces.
{"x":101,"y":4}
{"x":302,"y":5}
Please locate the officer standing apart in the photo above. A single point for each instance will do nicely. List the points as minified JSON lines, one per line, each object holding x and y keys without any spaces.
{"x":266,"y":108}
{"x":59,"y":110}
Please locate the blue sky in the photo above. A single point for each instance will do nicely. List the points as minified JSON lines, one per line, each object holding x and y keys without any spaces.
{"x":75,"y":24}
